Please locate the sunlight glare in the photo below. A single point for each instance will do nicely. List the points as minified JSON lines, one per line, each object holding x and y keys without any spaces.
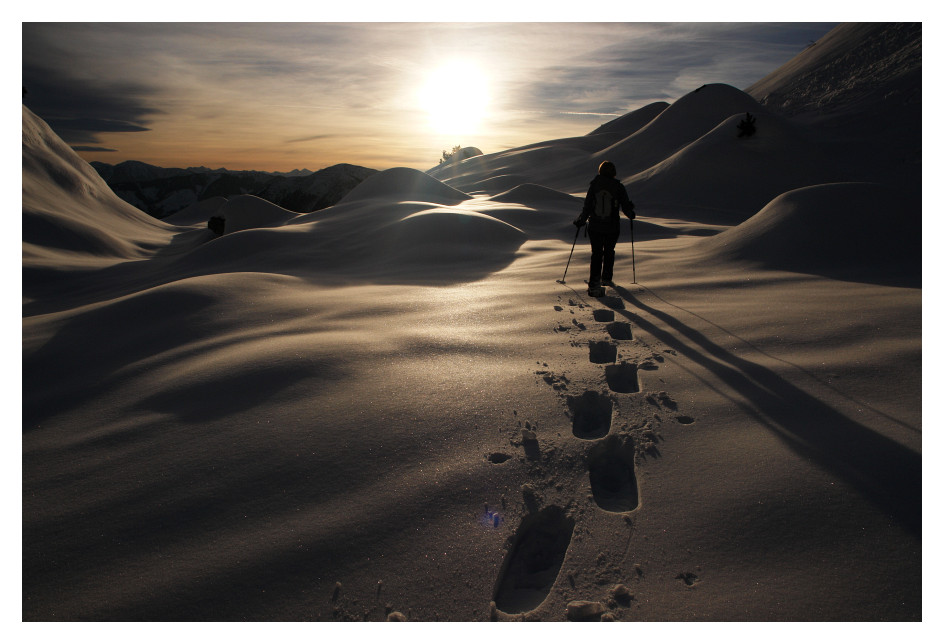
{"x":455,"y":96}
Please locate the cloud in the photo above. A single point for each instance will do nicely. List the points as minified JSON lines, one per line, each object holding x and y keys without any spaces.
{"x":640,"y":64}
{"x":315,"y":137}
{"x":241,"y":89}
{"x":76,"y":80}
{"x":79,"y":109}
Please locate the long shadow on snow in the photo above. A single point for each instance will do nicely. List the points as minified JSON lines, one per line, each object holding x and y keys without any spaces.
{"x":884,"y":471}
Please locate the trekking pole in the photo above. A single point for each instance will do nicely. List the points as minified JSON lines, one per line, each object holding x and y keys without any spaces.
{"x":561,"y":280}
{"x":632,"y":244}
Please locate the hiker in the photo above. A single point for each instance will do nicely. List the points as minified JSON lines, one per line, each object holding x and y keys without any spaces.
{"x":601,"y":208}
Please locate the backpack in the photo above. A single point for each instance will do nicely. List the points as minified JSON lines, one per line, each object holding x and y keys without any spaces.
{"x":605,"y":205}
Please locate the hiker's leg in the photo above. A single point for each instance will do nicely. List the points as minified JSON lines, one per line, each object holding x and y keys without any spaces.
{"x":597,"y":243}
{"x":609,"y":256}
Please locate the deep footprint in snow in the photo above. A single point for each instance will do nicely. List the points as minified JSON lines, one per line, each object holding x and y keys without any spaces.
{"x":592,"y":414}
{"x":613,"y":474}
{"x":622,"y":378}
{"x":534,"y":561}
{"x":620,"y":330}
{"x":613,"y":301}
{"x":603,"y":315}
{"x":602,"y":352}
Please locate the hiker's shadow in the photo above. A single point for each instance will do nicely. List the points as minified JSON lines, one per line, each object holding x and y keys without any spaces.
{"x":883,"y":470}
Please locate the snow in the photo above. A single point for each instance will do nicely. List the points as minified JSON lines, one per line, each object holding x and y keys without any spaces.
{"x":678,"y":125}
{"x":724,"y":172}
{"x":404,"y":182}
{"x":828,"y":226}
{"x":390,"y":409}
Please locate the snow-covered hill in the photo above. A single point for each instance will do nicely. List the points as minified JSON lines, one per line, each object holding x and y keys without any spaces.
{"x":70,"y":216}
{"x":405,"y":405}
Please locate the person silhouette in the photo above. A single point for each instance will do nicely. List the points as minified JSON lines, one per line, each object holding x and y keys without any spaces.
{"x":605,"y":197}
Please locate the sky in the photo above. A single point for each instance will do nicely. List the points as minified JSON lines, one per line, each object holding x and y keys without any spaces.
{"x":278,"y":96}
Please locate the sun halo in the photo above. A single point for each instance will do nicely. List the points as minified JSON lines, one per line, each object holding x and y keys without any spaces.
{"x":455,"y":97}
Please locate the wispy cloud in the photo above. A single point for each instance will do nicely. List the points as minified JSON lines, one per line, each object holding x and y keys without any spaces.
{"x":347,"y":92}
{"x":316,"y":137}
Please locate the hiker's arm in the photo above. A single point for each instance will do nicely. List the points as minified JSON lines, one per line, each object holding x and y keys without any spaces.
{"x":629,"y":209}
{"x":587,"y":209}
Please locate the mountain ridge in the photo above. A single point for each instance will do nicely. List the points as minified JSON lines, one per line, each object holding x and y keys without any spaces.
{"x":162,"y":192}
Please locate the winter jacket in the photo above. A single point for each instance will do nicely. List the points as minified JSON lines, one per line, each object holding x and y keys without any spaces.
{"x":602,"y":205}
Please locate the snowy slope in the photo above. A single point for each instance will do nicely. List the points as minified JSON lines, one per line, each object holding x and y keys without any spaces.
{"x":68,"y":206}
{"x":835,"y":226}
{"x":392,"y":409}
{"x":852,"y":66}
{"x":723,"y":171}
{"x":683,"y":122}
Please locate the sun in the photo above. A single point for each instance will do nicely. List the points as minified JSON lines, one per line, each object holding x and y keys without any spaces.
{"x":455,"y":96}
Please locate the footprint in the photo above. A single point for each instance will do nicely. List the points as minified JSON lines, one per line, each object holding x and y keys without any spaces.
{"x":685,"y":420}
{"x":592,"y":413}
{"x":534,"y":561}
{"x":666,"y":401}
{"x":689,"y":578}
{"x":620,"y":330}
{"x":498,"y":457}
{"x":613,"y":474}
{"x":602,"y":352}
{"x":613,"y":301}
{"x":622,"y":378}
{"x":603,"y":315}
{"x":557,"y":382}
{"x":662,"y":399}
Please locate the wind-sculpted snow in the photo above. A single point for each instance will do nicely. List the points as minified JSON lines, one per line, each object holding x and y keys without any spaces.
{"x":67,"y":206}
{"x":405,"y":183}
{"x":852,"y":63}
{"x":391,"y":409}
{"x":629,"y":124}
{"x":529,"y":192}
{"x":687,"y":119}
{"x":559,"y":163}
{"x":390,"y":228}
{"x":632,"y":122}
{"x":859,"y":228}
{"x":196,"y":214}
{"x":245,"y":212}
{"x":646,"y":137}
{"x":503,"y":171}
{"x":449,"y":227}
{"x":724,"y":172}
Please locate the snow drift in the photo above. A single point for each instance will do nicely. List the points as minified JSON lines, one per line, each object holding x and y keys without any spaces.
{"x":725,"y":172}
{"x":684,"y":121}
{"x":390,"y":409}
{"x":404,"y":183}
{"x":67,"y":206}
{"x":833,"y":227}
